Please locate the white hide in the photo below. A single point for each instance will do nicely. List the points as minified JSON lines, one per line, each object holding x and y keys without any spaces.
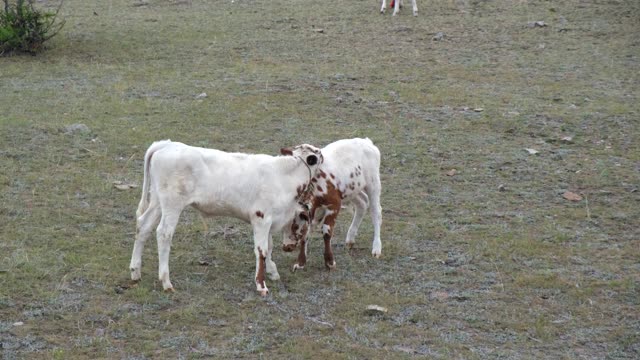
{"x":259,"y":189}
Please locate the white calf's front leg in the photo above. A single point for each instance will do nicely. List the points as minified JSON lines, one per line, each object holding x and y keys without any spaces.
{"x":261,"y":249}
{"x":415,"y":7}
{"x":164,"y":234}
{"x":396,"y":7}
{"x":144,"y":226}
{"x":384,"y":7}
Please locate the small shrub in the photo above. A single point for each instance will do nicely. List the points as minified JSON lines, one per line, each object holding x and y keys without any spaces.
{"x":23,"y":28}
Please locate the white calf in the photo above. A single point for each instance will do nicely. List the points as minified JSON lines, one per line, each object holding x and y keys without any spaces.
{"x":260,"y":189}
{"x":397,"y":4}
{"x":350,"y":173}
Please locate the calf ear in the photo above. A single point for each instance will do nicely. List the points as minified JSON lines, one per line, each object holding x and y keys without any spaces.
{"x":312,"y":160}
{"x":286,"y":151}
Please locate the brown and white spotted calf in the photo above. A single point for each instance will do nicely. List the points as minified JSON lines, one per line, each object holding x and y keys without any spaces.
{"x":350,"y":173}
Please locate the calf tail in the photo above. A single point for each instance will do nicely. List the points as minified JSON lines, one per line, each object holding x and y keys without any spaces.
{"x":144,"y":200}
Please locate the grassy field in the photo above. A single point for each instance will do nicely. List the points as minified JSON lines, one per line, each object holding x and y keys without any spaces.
{"x":487,"y":261}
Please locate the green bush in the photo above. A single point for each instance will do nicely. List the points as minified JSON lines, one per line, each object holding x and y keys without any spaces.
{"x":23,"y":28}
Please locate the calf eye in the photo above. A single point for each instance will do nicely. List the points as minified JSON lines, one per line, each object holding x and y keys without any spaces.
{"x":312,"y":160}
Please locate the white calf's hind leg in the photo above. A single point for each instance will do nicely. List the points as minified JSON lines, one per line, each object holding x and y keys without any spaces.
{"x":415,"y":7}
{"x":164,"y":234}
{"x":144,"y":226}
{"x":373,"y":191}
{"x":360,"y":202}
{"x":384,"y":7}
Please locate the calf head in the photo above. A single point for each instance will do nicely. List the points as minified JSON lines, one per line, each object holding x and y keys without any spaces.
{"x":311,"y":155}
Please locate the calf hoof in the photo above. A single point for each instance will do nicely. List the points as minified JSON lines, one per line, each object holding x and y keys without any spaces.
{"x":264,"y":292}
{"x":288,"y":247}
{"x":169,"y":290}
{"x":376,"y":254}
{"x":330,"y":266}
{"x":274,"y":277}
{"x":350,"y":245}
{"x":135,"y":274}
{"x":298,"y":267}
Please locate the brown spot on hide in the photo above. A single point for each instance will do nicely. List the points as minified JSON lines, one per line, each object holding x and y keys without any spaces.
{"x":286,"y":151}
{"x":300,"y":189}
{"x":314,"y":180}
{"x":260,"y":214}
{"x":332,"y":176}
{"x":322,"y":174}
{"x":319,"y":188}
{"x":262,"y":265}
{"x":351,"y":175}
{"x":332,"y":198}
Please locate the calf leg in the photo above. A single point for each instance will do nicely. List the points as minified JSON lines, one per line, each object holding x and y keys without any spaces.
{"x":303,"y":238}
{"x":261,"y":250}
{"x":415,"y":7}
{"x":376,"y":216}
{"x":384,"y":7}
{"x":328,"y":224}
{"x":144,"y":225}
{"x":302,"y":255}
{"x":164,"y":234}
{"x":272,"y":270}
{"x":361,"y":202}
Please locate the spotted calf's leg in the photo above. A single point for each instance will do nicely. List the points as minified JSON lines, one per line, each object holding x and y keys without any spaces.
{"x":360,"y":202}
{"x":300,"y":232}
{"x":376,"y":217}
{"x":328,"y":224}
{"x":302,"y":255}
